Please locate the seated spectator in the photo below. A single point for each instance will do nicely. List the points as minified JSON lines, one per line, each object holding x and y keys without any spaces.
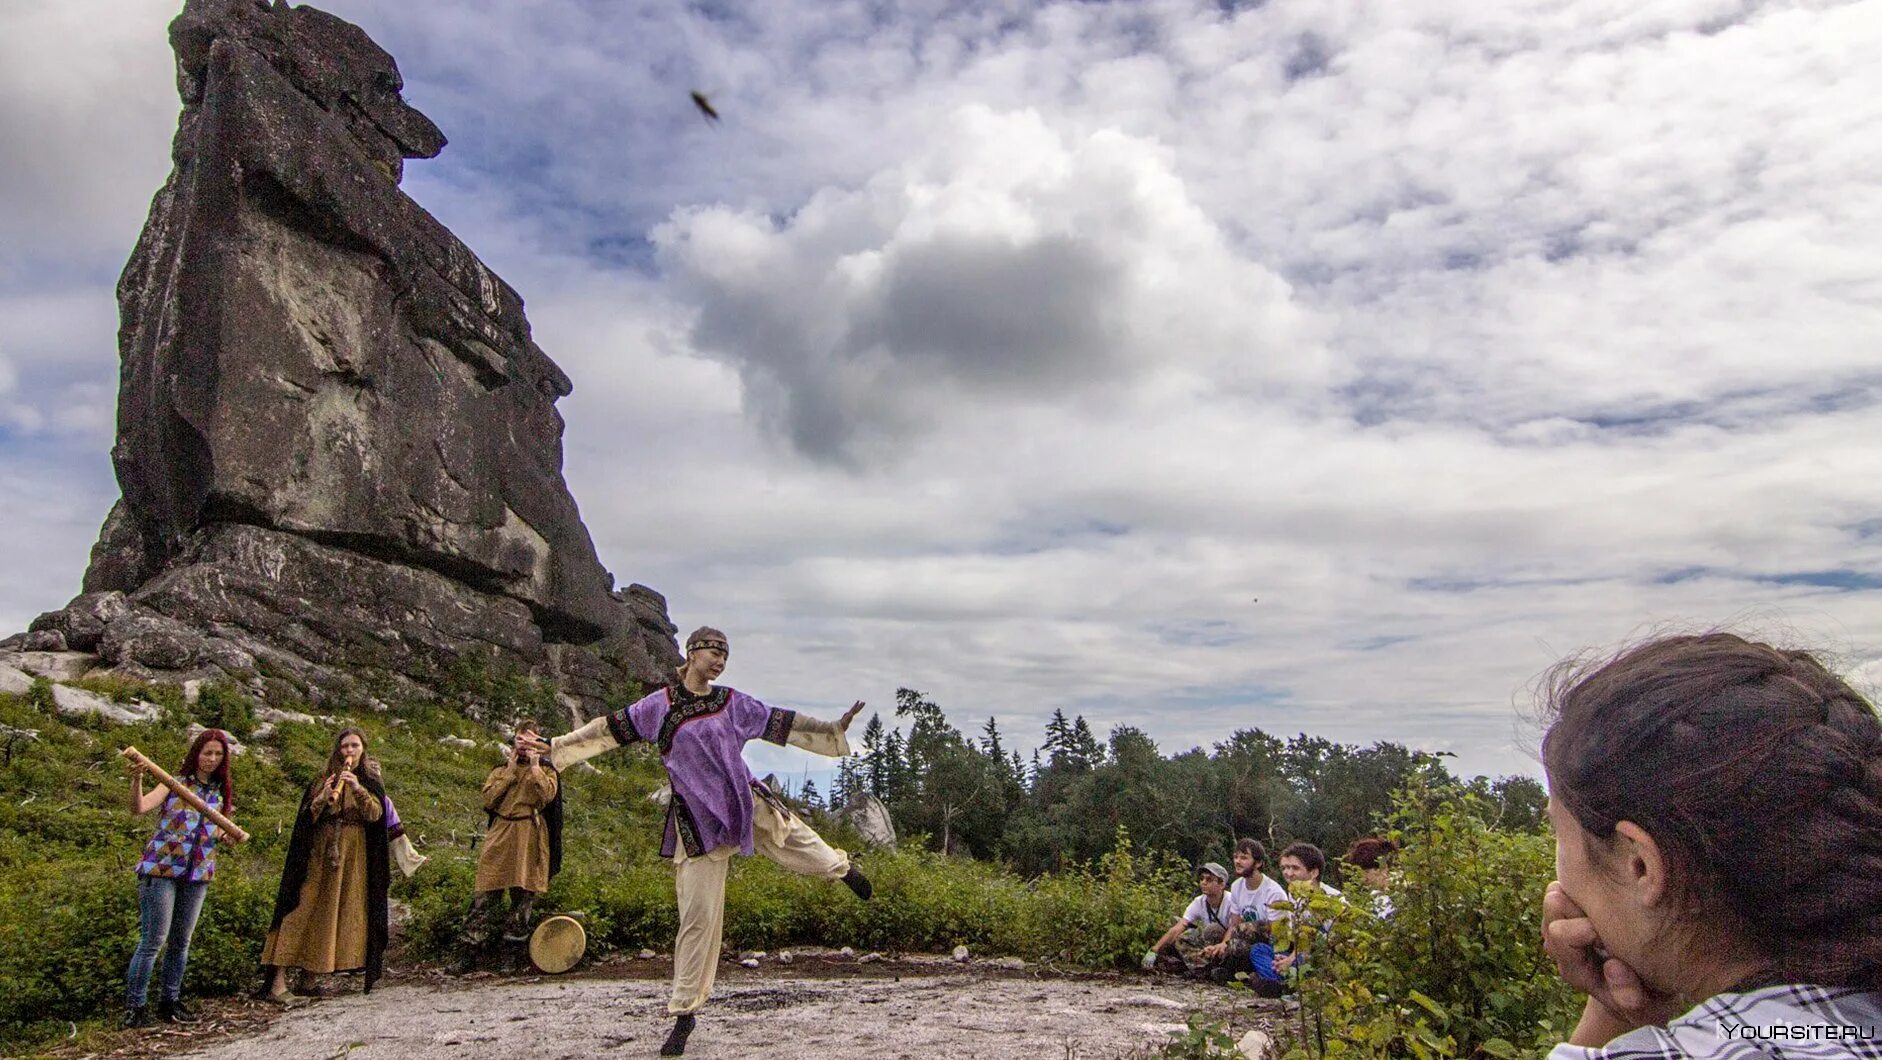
{"x":1252,"y":899}
{"x":1372,"y":857}
{"x":1197,"y":933}
{"x":1717,"y":806}
{"x":1301,"y":865}
{"x":1264,"y":979}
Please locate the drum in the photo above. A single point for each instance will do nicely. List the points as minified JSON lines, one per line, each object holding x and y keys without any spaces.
{"x":557,"y":944}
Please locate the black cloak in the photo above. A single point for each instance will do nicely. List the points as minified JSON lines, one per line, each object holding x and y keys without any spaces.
{"x":378,"y":875}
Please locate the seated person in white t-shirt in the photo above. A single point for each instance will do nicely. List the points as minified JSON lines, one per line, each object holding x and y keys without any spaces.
{"x":1251,"y":902}
{"x":1201,"y":927}
{"x":1301,"y":865}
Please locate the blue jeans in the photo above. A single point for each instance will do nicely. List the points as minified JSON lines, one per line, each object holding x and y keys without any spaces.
{"x":166,"y":909}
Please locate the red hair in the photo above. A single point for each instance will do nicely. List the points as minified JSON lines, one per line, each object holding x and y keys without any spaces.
{"x":192,"y":760}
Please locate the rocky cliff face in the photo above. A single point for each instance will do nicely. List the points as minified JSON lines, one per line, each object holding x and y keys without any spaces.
{"x":337,"y":442}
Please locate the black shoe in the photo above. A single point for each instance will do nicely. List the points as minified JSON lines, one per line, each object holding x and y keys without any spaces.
{"x":177,"y":1012}
{"x":859,"y":883}
{"x":138,"y":1017}
{"x":675,"y":1045}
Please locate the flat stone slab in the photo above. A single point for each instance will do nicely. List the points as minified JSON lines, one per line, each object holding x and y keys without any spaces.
{"x":76,"y":701}
{"x":799,"y":1013}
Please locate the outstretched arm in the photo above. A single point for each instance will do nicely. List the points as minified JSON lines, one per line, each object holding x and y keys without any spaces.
{"x":582,"y":744}
{"x":823,"y":737}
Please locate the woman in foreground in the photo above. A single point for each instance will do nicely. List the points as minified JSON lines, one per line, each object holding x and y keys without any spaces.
{"x":1717,"y":806}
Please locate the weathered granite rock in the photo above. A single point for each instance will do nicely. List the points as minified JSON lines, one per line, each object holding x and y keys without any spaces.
{"x":82,"y":622}
{"x":870,"y":818}
{"x":338,"y":443}
{"x":44,"y":640}
{"x":54,"y":665}
{"x":15,"y":682}
{"x":74,"y":702}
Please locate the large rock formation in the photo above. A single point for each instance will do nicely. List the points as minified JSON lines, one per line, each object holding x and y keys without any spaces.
{"x":338,"y":445}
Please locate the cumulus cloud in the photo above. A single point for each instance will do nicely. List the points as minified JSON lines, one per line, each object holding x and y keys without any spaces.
{"x":1011,"y":261}
{"x":1012,"y":351}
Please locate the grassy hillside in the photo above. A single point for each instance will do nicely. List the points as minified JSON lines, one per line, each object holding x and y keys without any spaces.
{"x":68,"y":916}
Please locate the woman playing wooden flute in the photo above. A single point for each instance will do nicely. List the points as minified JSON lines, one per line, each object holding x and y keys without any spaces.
{"x":174,"y":873}
{"x":330,"y":911}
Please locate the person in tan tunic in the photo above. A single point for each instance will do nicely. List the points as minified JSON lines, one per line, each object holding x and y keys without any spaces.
{"x":330,"y":910}
{"x":522,"y":845}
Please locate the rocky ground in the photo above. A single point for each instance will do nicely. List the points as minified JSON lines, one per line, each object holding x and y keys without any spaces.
{"x":820,"y":1006}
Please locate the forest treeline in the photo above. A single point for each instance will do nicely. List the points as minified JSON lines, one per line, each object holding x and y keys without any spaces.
{"x":1064,"y":803}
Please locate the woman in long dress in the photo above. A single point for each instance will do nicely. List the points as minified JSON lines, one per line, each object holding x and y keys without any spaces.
{"x":330,"y":911}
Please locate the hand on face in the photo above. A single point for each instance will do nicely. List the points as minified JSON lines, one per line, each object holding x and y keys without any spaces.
{"x":1569,"y":938}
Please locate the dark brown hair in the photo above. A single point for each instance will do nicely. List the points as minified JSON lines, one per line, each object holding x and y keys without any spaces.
{"x":1310,"y":856}
{"x":1253,"y":848}
{"x":1757,"y":772}
{"x":1371,"y":851}
{"x":337,"y":761}
{"x":192,"y":761}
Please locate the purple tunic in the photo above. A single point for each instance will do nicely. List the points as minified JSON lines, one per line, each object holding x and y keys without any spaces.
{"x":701,"y":740}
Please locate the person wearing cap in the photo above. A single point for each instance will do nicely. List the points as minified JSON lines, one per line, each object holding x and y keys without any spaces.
{"x":1203,"y":925}
{"x":717,"y":809}
{"x":1252,"y":898}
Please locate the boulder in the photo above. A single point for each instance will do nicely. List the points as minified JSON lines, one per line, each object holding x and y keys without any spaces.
{"x":960,"y":955}
{"x":15,"y":682}
{"x":1256,"y":1045}
{"x":76,"y":702}
{"x":151,"y":639}
{"x":338,"y":445}
{"x":83,"y":621}
{"x":870,"y":818}
{"x":53,"y":665}
{"x":43,"y":640}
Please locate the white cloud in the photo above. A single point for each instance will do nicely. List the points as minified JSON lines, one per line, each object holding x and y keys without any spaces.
{"x":1462,"y":336}
{"x":1005,"y":263}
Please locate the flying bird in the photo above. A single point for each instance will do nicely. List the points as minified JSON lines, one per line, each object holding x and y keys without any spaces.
{"x":705,"y":107}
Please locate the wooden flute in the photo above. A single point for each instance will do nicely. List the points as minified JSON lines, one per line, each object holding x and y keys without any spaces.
{"x":182,"y":791}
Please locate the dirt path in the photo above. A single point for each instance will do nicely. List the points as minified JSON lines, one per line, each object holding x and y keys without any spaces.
{"x":823,"y":1009}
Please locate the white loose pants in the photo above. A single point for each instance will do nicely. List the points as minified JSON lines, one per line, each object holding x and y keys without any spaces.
{"x":700,"y":883}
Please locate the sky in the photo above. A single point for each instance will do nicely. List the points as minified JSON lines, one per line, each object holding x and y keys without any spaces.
{"x":1305,"y":365}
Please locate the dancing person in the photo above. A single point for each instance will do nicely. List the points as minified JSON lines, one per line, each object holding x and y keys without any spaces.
{"x":330,"y":910}
{"x":173,"y":875}
{"x":522,"y":845}
{"x":1717,"y":806}
{"x":717,"y":809}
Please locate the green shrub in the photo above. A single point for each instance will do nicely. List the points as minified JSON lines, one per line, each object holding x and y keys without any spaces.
{"x":220,"y":706}
{"x":1459,"y":969}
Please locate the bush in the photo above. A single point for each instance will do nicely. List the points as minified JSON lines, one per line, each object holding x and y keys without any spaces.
{"x":1459,"y":969}
{"x":220,"y":706}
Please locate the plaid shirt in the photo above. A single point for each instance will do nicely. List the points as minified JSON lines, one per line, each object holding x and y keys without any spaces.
{"x":1795,"y":1022}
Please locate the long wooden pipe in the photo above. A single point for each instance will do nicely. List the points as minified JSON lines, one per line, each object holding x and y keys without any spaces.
{"x":183,"y":792}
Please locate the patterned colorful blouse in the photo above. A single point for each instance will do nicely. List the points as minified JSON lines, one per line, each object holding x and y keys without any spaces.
{"x":184,"y":847}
